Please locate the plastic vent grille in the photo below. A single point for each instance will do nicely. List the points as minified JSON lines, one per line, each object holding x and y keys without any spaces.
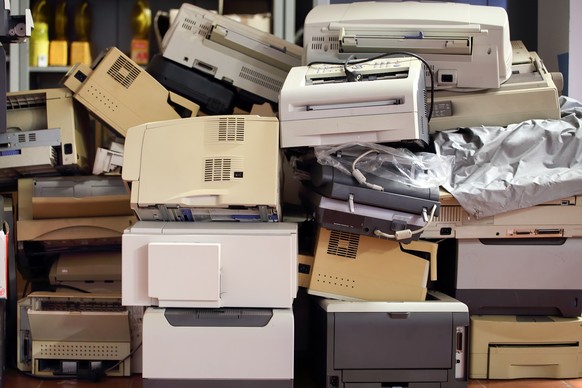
{"x":82,"y":306}
{"x":226,"y":129}
{"x":260,"y":79}
{"x":27,"y":137}
{"x":217,"y":170}
{"x":21,"y":102}
{"x":426,"y":104}
{"x":343,"y":244}
{"x":334,"y":43}
{"x":231,"y":129}
{"x":80,"y":351}
{"x":323,"y":43}
{"x":204,"y":30}
{"x":188,"y":24}
{"x":316,"y":46}
{"x":450,"y":214}
{"x":124,"y":71}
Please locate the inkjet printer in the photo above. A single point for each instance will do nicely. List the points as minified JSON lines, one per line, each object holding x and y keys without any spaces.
{"x":253,"y":61}
{"x":386,"y":102}
{"x":468,"y":46}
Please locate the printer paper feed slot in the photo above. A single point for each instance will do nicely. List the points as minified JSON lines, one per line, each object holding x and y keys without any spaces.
{"x":422,"y":44}
{"x":266,"y":52}
{"x":184,"y":272}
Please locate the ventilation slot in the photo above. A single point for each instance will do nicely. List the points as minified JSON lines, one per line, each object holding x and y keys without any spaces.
{"x":343,"y":244}
{"x":82,"y":306}
{"x":426,"y":105}
{"x":124,"y":71}
{"x":226,"y":129}
{"x":316,"y":46}
{"x":260,"y":79}
{"x":21,"y":102}
{"x":204,"y":30}
{"x":450,"y":214}
{"x":188,"y":24}
{"x":217,"y":170}
{"x":76,"y":351}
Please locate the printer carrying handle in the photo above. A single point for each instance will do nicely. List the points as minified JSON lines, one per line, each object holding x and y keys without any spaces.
{"x":183,"y":106}
{"x":428,"y":247}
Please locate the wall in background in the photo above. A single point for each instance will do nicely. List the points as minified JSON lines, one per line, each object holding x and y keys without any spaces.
{"x":575,"y":50}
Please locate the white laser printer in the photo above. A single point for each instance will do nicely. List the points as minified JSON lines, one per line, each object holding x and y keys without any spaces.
{"x":203,"y":348}
{"x":320,"y":106}
{"x":209,"y":264}
{"x":47,"y":133}
{"x":247,"y":58}
{"x":222,"y":168}
{"x":468,"y":46}
{"x":114,"y":87}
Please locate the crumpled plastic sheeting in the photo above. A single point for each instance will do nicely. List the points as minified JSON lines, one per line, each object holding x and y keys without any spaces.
{"x":498,"y":169}
{"x":421,"y":169}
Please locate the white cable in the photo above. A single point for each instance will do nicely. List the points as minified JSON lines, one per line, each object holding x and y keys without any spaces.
{"x":407,"y":233}
{"x":357,"y":174}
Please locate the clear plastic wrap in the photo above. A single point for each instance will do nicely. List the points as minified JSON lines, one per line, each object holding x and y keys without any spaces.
{"x":421,"y":169}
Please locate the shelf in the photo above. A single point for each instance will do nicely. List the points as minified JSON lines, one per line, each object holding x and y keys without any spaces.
{"x":49,"y":69}
{"x":118,"y":32}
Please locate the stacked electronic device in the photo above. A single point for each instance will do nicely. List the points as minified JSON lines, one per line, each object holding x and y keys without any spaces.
{"x":210,"y":258}
{"x":516,"y":271}
{"x":357,"y":85}
{"x":222,"y":64}
{"x":70,"y":223}
{"x":367,"y":79}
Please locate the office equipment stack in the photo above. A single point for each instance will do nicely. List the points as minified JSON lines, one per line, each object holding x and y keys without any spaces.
{"x":516,"y":271}
{"x":512,"y":266}
{"x":474,"y":76}
{"x":70,"y":223}
{"x":209,"y":258}
{"x":69,"y":252}
{"x":368,"y":80}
